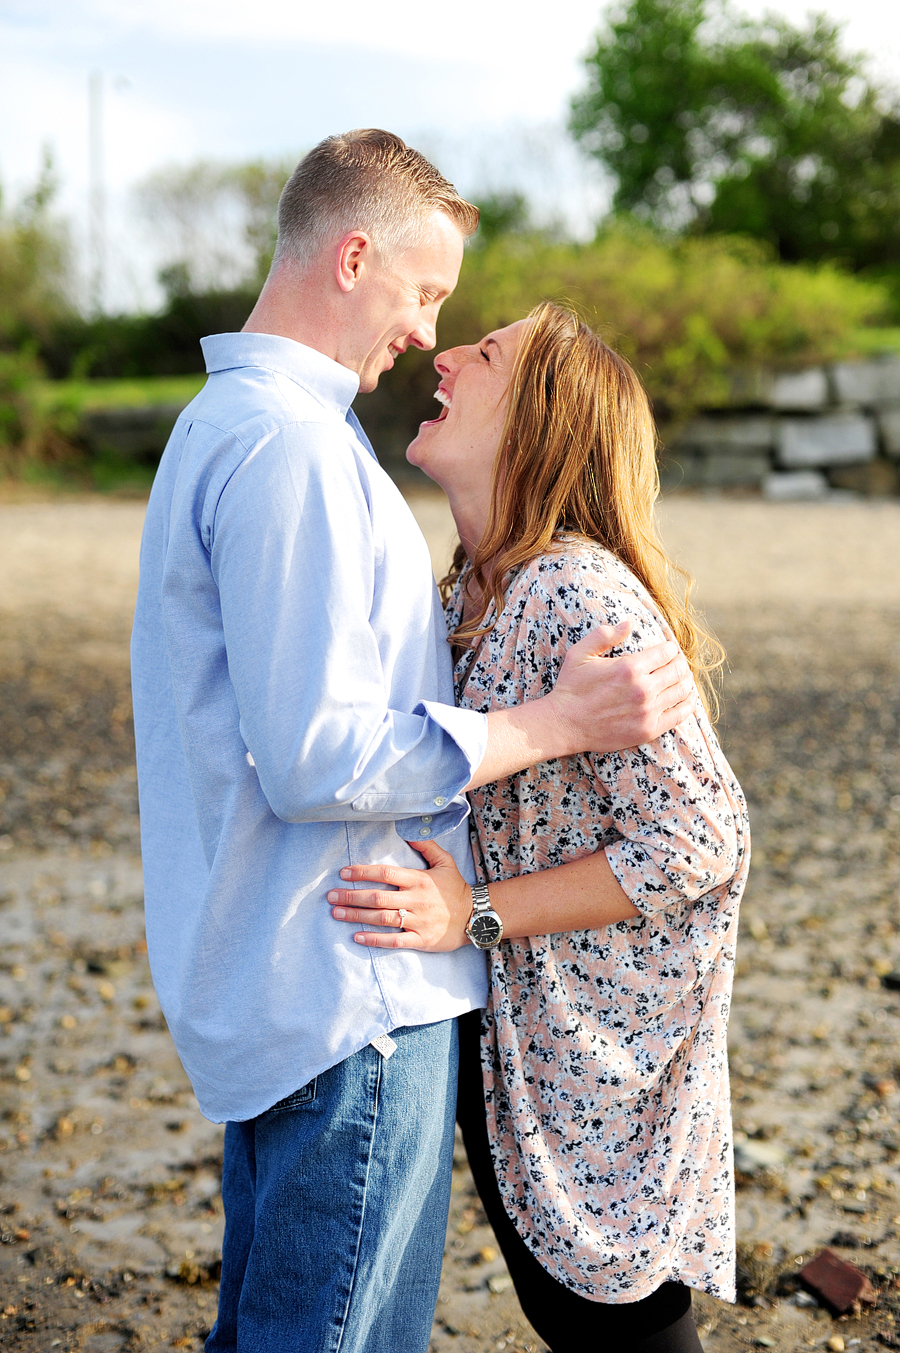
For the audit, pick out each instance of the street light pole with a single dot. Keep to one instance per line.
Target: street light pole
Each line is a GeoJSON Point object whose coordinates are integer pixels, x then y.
{"type": "Point", "coordinates": [96, 194]}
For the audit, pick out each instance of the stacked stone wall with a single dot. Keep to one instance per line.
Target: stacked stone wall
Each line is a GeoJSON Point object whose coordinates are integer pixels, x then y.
{"type": "Point", "coordinates": [801, 434]}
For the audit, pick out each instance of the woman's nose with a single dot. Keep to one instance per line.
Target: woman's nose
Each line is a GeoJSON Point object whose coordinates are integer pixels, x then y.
{"type": "Point", "coordinates": [453, 358]}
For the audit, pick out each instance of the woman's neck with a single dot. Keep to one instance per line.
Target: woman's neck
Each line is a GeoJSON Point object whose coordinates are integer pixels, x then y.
{"type": "Point", "coordinates": [470, 515]}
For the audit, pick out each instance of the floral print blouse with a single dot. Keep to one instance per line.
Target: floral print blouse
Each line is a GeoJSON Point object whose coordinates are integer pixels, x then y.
{"type": "Point", "coordinates": [604, 1051]}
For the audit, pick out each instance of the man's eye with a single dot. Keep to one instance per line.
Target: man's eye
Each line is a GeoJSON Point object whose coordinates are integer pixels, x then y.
{"type": "Point", "coordinates": [484, 354]}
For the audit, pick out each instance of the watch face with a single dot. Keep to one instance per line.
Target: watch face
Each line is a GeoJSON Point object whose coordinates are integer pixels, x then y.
{"type": "Point", "coordinates": [485, 930]}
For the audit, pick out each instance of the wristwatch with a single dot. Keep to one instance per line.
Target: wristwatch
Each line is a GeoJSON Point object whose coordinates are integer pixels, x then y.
{"type": "Point", "coordinates": [484, 927]}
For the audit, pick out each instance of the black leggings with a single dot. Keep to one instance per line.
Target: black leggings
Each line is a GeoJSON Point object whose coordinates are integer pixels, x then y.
{"type": "Point", "coordinates": [661, 1323]}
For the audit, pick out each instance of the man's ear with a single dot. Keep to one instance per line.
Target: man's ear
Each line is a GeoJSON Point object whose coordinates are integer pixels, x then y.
{"type": "Point", "coordinates": [351, 259]}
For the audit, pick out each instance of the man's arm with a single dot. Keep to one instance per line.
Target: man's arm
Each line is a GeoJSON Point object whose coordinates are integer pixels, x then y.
{"type": "Point", "coordinates": [598, 704]}
{"type": "Point", "coordinates": [294, 564]}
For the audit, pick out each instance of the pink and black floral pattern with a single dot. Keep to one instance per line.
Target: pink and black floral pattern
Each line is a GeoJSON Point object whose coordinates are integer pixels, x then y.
{"type": "Point", "coordinates": [604, 1051]}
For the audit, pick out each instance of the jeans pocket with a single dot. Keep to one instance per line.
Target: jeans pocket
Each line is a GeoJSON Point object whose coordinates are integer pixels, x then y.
{"type": "Point", "coordinates": [297, 1099]}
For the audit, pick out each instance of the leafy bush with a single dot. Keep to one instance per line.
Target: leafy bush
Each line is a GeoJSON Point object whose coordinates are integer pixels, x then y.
{"type": "Point", "coordinates": [36, 428]}
{"type": "Point", "coordinates": [167, 344]}
{"type": "Point", "coordinates": [687, 313]}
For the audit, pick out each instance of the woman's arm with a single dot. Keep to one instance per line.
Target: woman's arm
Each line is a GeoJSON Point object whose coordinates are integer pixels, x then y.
{"type": "Point", "coordinates": [583, 895]}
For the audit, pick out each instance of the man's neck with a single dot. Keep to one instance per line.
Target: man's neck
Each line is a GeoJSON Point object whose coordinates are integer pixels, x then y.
{"type": "Point", "coordinates": [290, 306]}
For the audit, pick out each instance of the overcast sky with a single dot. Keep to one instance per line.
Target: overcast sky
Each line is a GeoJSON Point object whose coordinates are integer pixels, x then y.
{"type": "Point", "coordinates": [482, 87]}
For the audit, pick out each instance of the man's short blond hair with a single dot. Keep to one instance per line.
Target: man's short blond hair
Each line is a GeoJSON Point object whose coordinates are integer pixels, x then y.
{"type": "Point", "coordinates": [364, 180]}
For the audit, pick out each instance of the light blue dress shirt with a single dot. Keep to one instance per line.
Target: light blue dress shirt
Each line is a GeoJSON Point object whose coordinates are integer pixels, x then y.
{"type": "Point", "coordinates": [294, 714]}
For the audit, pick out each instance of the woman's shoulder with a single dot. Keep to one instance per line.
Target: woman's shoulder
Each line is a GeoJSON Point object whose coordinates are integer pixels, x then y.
{"type": "Point", "coordinates": [579, 576]}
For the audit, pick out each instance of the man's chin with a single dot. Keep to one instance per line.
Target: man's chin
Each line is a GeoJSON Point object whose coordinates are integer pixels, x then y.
{"type": "Point", "coordinates": [370, 375]}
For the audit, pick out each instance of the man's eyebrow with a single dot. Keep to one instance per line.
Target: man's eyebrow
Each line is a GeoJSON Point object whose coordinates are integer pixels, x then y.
{"type": "Point", "coordinates": [488, 341]}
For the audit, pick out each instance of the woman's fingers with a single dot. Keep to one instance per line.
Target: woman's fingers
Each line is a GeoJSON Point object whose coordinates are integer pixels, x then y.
{"type": "Point", "coordinates": [398, 939]}
{"type": "Point", "coordinates": [356, 916]}
{"type": "Point", "coordinates": [433, 853]}
{"type": "Point", "coordinates": [390, 874]}
{"type": "Point", "coordinates": [362, 897]}
{"type": "Point", "coordinates": [435, 903]}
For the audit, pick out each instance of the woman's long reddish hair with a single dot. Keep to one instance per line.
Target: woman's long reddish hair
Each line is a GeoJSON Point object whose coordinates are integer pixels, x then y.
{"type": "Point", "coordinates": [578, 455]}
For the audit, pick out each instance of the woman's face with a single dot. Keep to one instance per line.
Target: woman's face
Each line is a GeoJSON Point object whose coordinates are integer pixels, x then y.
{"type": "Point", "coordinates": [457, 449]}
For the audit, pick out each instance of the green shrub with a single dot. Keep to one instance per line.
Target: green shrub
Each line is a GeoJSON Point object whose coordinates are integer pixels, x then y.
{"type": "Point", "coordinates": [688, 313]}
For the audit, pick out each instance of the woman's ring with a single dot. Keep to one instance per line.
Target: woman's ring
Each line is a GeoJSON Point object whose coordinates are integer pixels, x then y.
{"type": "Point", "coordinates": [402, 914]}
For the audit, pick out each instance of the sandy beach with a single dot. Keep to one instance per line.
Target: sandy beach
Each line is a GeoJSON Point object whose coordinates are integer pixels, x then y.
{"type": "Point", "coordinates": [110, 1216]}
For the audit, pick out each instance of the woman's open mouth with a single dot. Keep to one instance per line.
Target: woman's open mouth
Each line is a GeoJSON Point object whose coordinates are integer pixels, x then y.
{"type": "Point", "coordinates": [443, 398]}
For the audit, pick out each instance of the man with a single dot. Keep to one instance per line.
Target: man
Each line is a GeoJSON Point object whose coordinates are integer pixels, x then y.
{"type": "Point", "coordinates": [293, 715]}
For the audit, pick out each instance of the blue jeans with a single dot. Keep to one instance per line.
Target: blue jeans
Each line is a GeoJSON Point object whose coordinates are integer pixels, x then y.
{"type": "Point", "coordinates": [336, 1205]}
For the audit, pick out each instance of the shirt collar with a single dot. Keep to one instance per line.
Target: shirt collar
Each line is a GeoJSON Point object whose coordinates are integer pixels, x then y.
{"type": "Point", "coordinates": [332, 384]}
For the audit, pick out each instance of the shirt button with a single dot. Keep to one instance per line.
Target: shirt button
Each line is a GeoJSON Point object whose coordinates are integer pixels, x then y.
{"type": "Point", "coordinates": [424, 831]}
{"type": "Point", "coordinates": [426, 817]}
{"type": "Point", "coordinates": [439, 801]}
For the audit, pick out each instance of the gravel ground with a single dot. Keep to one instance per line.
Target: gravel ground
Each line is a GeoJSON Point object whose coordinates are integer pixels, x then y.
{"type": "Point", "coordinates": [110, 1217]}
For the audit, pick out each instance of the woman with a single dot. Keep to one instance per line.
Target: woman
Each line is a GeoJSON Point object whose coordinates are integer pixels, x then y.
{"type": "Point", "coordinates": [601, 1143]}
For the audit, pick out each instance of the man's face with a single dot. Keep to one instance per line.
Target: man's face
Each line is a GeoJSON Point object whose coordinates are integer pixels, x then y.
{"type": "Point", "coordinates": [399, 300]}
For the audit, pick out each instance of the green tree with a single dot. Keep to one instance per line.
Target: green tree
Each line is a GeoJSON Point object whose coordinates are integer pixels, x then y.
{"type": "Point", "coordinates": [721, 124]}
{"type": "Point", "coordinates": [216, 222]}
{"type": "Point", "coordinates": [35, 296]}
{"type": "Point", "coordinates": [501, 214]}
{"type": "Point", "coordinates": [35, 264]}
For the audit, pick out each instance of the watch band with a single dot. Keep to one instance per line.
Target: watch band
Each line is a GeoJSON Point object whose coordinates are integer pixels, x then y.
{"type": "Point", "coordinates": [481, 898]}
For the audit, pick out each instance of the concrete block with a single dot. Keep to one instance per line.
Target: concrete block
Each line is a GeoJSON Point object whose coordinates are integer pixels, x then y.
{"type": "Point", "coordinates": [832, 439]}
{"type": "Point", "coordinates": [800, 390]}
{"type": "Point", "coordinates": [751, 389]}
{"type": "Point", "coordinates": [870, 383]}
{"type": "Point", "coordinates": [729, 436]}
{"type": "Point", "coordinates": [794, 486]}
{"type": "Point", "coordinates": [735, 471]}
{"type": "Point", "coordinates": [875, 478]}
{"type": "Point", "coordinates": [889, 427]}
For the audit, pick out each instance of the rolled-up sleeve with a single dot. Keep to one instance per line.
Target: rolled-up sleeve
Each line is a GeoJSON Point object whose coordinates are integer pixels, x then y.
{"type": "Point", "coordinates": [298, 573]}
{"type": "Point", "coordinates": [681, 828]}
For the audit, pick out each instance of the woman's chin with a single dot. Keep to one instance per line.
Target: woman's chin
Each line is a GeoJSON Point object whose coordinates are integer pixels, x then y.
{"type": "Point", "coordinates": [415, 455]}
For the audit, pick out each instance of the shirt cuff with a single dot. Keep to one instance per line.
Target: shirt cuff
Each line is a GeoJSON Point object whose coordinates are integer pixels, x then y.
{"type": "Point", "coordinates": [467, 728]}
{"type": "Point", "coordinates": [459, 741]}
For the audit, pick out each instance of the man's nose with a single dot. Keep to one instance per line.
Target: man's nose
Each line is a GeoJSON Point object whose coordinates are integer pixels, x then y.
{"type": "Point", "coordinates": [424, 335]}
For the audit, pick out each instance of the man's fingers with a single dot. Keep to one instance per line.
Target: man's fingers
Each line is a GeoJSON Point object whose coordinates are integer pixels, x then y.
{"type": "Point", "coordinates": [601, 639]}
{"type": "Point", "coordinates": [673, 715]}
{"type": "Point", "coordinates": [655, 659]}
